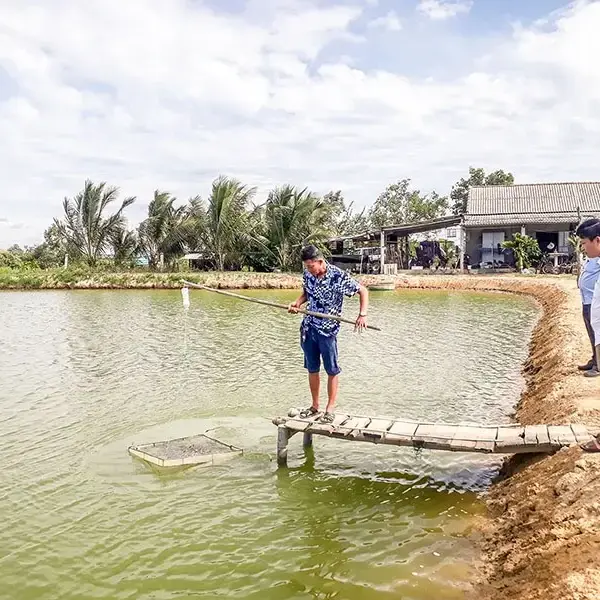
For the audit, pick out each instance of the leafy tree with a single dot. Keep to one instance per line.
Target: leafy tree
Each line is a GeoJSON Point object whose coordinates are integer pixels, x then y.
{"type": "Point", "coordinates": [334, 206]}
{"type": "Point", "coordinates": [161, 235]}
{"type": "Point", "coordinates": [399, 204]}
{"type": "Point", "coordinates": [10, 259]}
{"type": "Point", "coordinates": [224, 230]}
{"type": "Point", "coordinates": [292, 219]}
{"type": "Point", "coordinates": [125, 246]}
{"type": "Point", "coordinates": [350, 222]}
{"type": "Point", "coordinates": [86, 229]}
{"type": "Point", "coordinates": [341, 219]}
{"type": "Point", "coordinates": [525, 249]}
{"type": "Point", "coordinates": [460, 190]}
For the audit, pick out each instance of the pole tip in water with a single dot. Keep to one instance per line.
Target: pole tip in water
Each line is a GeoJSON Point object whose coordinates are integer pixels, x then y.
{"type": "Point", "coordinates": [185, 292]}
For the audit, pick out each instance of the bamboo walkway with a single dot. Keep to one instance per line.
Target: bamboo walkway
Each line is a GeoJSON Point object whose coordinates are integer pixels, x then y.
{"type": "Point", "coordinates": [499, 439]}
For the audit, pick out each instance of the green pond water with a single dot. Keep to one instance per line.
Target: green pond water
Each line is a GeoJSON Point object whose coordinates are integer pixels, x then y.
{"type": "Point", "coordinates": [85, 374]}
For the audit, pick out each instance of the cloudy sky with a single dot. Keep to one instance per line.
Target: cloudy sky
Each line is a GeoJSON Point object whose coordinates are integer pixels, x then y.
{"type": "Point", "coordinates": [332, 94]}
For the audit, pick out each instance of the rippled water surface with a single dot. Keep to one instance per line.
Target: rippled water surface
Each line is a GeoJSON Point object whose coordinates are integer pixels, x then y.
{"type": "Point", "coordinates": [85, 374]}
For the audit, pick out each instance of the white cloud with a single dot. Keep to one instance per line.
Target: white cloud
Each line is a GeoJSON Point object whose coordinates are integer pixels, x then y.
{"type": "Point", "coordinates": [148, 94]}
{"type": "Point", "coordinates": [389, 22]}
{"type": "Point", "coordinates": [439, 10]}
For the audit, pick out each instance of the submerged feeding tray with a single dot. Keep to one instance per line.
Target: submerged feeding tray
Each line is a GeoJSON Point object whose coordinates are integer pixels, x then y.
{"type": "Point", "coordinates": [193, 450]}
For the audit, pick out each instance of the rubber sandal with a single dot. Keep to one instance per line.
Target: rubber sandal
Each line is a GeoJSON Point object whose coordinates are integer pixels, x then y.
{"type": "Point", "coordinates": [327, 418]}
{"type": "Point", "coordinates": [591, 446]}
{"type": "Point", "coordinates": [311, 411]}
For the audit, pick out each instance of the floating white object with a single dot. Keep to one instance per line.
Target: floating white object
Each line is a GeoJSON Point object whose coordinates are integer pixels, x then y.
{"type": "Point", "coordinates": [185, 292]}
{"type": "Point", "coordinates": [187, 451]}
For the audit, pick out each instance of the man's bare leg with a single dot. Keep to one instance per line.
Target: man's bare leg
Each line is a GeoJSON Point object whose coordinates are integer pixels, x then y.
{"type": "Point", "coordinates": [332, 390]}
{"type": "Point", "coordinates": [314, 382]}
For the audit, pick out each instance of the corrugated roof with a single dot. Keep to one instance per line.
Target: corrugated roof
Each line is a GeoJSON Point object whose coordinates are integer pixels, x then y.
{"type": "Point", "coordinates": [404, 229]}
{"type": "Point", "coordinates": [419, 226]}
{"type": "Point", "coordinates": [533, 198]}
{"type": "Point", "coordinates": [524, 218]}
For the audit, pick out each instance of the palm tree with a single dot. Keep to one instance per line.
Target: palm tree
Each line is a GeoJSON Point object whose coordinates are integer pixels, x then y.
{"type": "Point", "coordinates": [293, 218]}
{"type": "Point", "coordinates": [125, 246]}
{"type": "Point", "coordinates": [161, 234]}
{"type": "Point", "coordinates": [85, 229]}
{"type": "Point", "coordinates": [224, 230]}
{"type": "Point", "coordinates": [525, 249]}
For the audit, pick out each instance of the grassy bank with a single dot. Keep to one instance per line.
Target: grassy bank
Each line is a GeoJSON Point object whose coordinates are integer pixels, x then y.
{"type": "Point", "coordinates": [82, 278]}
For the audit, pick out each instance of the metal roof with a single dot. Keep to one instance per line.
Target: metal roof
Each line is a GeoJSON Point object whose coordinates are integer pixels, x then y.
{"type": "Point", "coordinates": [419, 226]}
{"type": "Point", "coordinates": [404, 229]}
{"type": "Point", "coordinates": [525, 218]}
{"type": "Point", "coordinates": [534, 198]}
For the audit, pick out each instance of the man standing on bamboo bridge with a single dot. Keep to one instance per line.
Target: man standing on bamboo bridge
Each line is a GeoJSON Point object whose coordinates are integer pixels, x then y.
{"type": "Point", "coordinates": [324, 288]}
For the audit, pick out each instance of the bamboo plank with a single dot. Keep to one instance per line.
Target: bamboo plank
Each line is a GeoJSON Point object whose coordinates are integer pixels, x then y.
{"type": "Point", "coordinates": [297, 424]}
{"type": "Point", "coordinates": [561, 435]}
{"type": "Point", "coordinates": [510, 441]}
{"type": "Point", "coordinates": [542, 435]}
{"type": "Point", "coordinates": [348, 425]}
{"type": "Point", "coordinates": [376, 430]}
{"type": "Point", "coordinates": [486, 439]}
{"type": "Point", "coordinates": [581, 433]}
{"type": "Point", "coordinates": [401, 433]}
{"type": "Point", "coordinates": [473, 439]}
{"type": "Point", "coordinates": [357, 431]}
{"type": "Point", "coordinates": [378, 424]}
{"type": "Point", "coordinates": [463, 439]}
{"type": "Point", "coordinates": [434, 436]}
{"type": "Point", "coordinates": [537, 439]}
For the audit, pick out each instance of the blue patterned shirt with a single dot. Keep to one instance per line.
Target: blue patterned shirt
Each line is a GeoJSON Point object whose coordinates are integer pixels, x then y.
{"type": "Point", "coordinates": [326, 295]}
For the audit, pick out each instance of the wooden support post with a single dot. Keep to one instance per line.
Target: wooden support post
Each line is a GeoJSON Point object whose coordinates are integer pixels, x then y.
{"type": "Point", "coordinates": [307, 440]}
{"type": "Point", "coordinates": [462, 244]}
{"type": "Point", "coordinates": [283, 436]}
{"type": "Point", "coordinates": [382, 252]}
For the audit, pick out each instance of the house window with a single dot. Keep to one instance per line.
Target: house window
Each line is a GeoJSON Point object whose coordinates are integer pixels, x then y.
{"type": "Point", "coordinates": [452, 233]}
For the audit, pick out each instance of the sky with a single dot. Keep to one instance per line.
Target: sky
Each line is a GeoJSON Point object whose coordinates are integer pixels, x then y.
{"type": "Point", "coordinates": [329, 94]}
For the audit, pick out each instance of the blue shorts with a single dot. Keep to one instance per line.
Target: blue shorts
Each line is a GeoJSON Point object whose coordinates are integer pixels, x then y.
{"type": "Point", "coordinates": [317, 347]}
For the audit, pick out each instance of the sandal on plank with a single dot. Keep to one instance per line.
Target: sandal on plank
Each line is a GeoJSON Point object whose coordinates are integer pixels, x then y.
{"type": "Point", "coordinates": [306, 413]}
{"type": "Point", "coordinates": [327, 418]}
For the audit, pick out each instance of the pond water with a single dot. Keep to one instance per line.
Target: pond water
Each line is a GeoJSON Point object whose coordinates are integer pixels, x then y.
{"type": "Point", "coordinates": [85, 374]}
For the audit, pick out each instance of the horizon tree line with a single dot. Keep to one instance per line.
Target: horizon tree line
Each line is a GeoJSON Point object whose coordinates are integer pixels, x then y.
{"type": "Point", "coordinates": [229, 227]}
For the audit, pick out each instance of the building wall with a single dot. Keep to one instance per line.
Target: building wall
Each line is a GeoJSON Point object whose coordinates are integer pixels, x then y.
{"type": "Point", "coordinates": [475, 236]}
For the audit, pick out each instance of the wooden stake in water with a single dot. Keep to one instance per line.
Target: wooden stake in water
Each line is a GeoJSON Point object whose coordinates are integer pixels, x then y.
{"type": "Point", "coordinates": [274, 304]}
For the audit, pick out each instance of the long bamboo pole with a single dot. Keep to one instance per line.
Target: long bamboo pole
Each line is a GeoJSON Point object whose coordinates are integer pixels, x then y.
{"type": "Point", "coordinates": [273, 304]}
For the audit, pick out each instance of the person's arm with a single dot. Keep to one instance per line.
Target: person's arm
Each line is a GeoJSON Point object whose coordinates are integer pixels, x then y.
{"type": "Point", "coordinates": [361, 321]}
{"type": "Point", "coordinates": [349, 287]}
{"type": "Point", "coordinates": [294, 306]}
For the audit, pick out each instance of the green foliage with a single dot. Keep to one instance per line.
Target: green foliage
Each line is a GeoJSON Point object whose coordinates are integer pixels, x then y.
{"type": "Point", "coordinates": [525, 249]}
{"type": "Point", "coordinates": [460, 191]}
{"type": "Point", "coordinates": [161, 235]}
{"type": "Point", "coordinates": [293, 218]}
{"type": "Point", "coordinates": [86, 230]}
{"type": "Point", "coordinates": [224, 230]}
{"type": "Point", "coordinates": [399, 204]}
{"type": "Point", "coordinates": [227, 229]}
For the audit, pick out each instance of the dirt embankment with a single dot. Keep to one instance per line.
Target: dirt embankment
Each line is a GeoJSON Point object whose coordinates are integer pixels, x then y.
{"type": "Point", "coordinates": [542, 540]}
